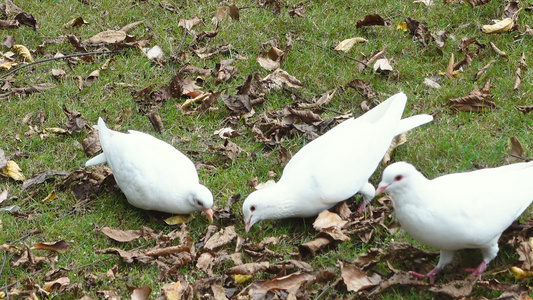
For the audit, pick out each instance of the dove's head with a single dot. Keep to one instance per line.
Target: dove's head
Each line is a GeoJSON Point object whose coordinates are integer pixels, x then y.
{"type": "Point", "coordinates": [263, 204]}
{"type": "Point", "coordinates": [397, 177]}
{"type": "Point", "coordinates": [202, 199]}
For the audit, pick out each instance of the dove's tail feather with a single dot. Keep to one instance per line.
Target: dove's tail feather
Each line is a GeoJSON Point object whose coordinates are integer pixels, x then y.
{"type": "Point", "coordinates": [104, 134]}
{"type": "Point", "coordinates": [99, 159]}
{"type": "Point", "coordinates": [390, 109]}
{"type": "Point", "coordinates": [412, 122]}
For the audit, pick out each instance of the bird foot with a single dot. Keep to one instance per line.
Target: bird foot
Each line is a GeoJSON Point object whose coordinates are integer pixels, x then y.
{"type": "Point", "coordinates": [477, 271]}
{"type": "Point", "coordinates": [432, 275]}
{"type": "Point", "coordinates": [361, 208]}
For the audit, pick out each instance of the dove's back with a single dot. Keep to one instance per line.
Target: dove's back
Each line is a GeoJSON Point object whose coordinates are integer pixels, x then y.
{"type": "Point", "coordinates": [151, 173]}
{"type": "Point", "coordinates": [337, 164]}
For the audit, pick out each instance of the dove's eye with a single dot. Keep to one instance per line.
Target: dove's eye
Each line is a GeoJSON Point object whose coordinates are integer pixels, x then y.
{"type": "Point", "coordinates": [252, 208]}
{"type": "Point", "coordinates": [398, 178]}
{"type": "Point", "coordinates": [199, 202]}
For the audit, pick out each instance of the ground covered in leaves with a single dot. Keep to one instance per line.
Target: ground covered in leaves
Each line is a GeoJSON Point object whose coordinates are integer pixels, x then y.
{"type": "Point", "coordinates": [239, 87]}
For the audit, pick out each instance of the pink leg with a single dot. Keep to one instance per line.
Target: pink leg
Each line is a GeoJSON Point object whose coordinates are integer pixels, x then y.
{"type": "Point", "coordinates": [361, 208]}
{"type": "Point", "coordinates": [432, 275]}
{"type": "Point", "coordinates": [477, 271]}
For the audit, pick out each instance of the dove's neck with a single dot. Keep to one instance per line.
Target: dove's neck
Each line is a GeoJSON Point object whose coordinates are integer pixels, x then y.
{"type": "Point", "coordinates": [281, 202]}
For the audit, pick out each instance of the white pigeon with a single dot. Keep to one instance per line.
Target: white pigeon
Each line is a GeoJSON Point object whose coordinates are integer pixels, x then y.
{"type": "Point", "coordinates": [151, 173]}
{"type": "Point", "coordinates": [334, 166]}
{"type": "Point", "coordinates": [458, 211]}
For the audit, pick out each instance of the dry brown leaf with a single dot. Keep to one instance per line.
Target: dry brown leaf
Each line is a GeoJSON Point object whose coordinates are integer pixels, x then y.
{"type": "Point", "coordinates": [27, 19]}
{"type": "Point", "coordinates": [456, 289]}
{"type": "Point", "coordinates": [156, 120]}
{"type": "Point", "coordinates": [60, 246]}
{"type": "Point", "coordinates": [516, 150]}
{"type": "Point", "coordinates": [521, 65]}
{"type": "Point", "coordinates": [476, 101]}
{"type": "Point", "coordinates": [221, 238]}
{"type": "Point", "coordinates": [312, 247]}
{"type": "Point", "coordinates": [120, 235]}
{"type": "Point", "coordinates": [497, 50]}
{"type": "Point", "coordinates": [525, 252]}
{"type": "Point", "coordinates": [419, 30]}
{"type": "Point", "coordinates": [190, 23]}
{"type": "Point", "coordinates": [58, 285]}
{"type": "Point", "coordinates": [107, 37]}
{"type": "Point", "coordinates": [76, 122]}
{"type": "Point", "coordinates": [141, 293]}
{"type": "Point", "coordinates": [327, 219]}
{"type": "Point", "coordinates": [131, 26]}
{"type": "Point", "coordinates": [249, 268]}
{"type": "Point", "coordinates": [177, 291]}
{"type": "Point", "coordinates": [525, 109]}
{"type": "Point", "coordinates": [483, 70]}
{"type": "Point", "coordinates": [287, 283]}
{"type": "Point", "coordinates": [76, 22]}
{"type": "Point", "coordinates": [370, 20]}
{"type": "Point", "coordinates": [365, 89]}
{"type": "Point", "coordinates": [475, 3]}
{"type": "Point", "coordinates": [3, 160]}
{"type": "Point", "coordinates": [280, 78]}
{"type": "Point", "coordinates": [347, 44]}
{"type": "Point", "coordinates": [3, 196]}
{"type": "Point", "coordinates": [91, 144]}
{"type": "Point", "coordinates": [396, 141]}
{"type": "Point", "coordinates": [357, 280]}
{"type": "Point", "coordinates": [323, 99]}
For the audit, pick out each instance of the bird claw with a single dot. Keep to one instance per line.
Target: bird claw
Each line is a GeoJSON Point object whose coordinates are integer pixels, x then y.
{"type": "Point", "coordinates": [432, 275]}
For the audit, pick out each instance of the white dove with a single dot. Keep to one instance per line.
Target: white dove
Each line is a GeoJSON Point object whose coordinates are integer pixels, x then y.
{"type": "Point", "coordinates": [334, 166]}
{"type": "Point", "coordinates": [458, 211]}
{"type": "Point", "coordinates": [151, 173]}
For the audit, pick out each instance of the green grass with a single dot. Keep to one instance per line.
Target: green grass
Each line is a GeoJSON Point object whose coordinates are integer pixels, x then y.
{"type": "Point", "coordinates": [455, 141]}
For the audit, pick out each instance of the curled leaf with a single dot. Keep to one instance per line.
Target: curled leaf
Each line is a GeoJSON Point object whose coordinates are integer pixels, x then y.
{"type": "Point", "coordinates": [504, 25]}
{"type": "Point", "coordinates": [24, 52]}
{"type": "Point", "coordinates": [13, 171]}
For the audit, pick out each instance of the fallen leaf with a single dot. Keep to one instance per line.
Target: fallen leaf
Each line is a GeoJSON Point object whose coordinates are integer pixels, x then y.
{"type": "Point", "coordinates": [120, 235]}
{"type": "Point", "coordinates": [516, 150]}
{"type": "Point", "coordinates": [179, 219]}
{"type": "Point", "coordinates": [475, 3]}
{"type": "Point", "coordinates": [504, 25]}
{"type": "Point", "coordinates": [27, 19]}
{"type": "Point", "coordinates": [280, 78]}
{"type": "Point", "coordinates": [456, 289]}
{"type": "Point", "coordinates": [431, 83]}
{"type": "Point", "coordinates": [59, 285]}
{"type": "Point", "coordinates": [323, 99]}
{"type": "Point", "coordinates": [249, 268]}
{"type": "Point", "coordinates": [396, 141]}
{"type": "Point", "coordinates": [91, 144]}
{"type": "Point", "coordinates": [476, 101]}
{"type": "Point", "coordinates": [156, 120]}
{"type": "Point", "coordinates": [24, 52]}
{"type": "Point", "coordinates": [50, 197]}
{"type": "Point", "coordinates": [221, 238]}
{"type": "Point", "coordinates": [357, 280]}
{"type": "Point", "coordinates": [520, 273]}
{"type": "Point", "coordinates": [382, 64]}
{"type": "Point", "coordinates": [60, 246]}
{"type": "Point", "coordinates": [75, 122]}
{"type": "Point", "coordinates": [13, 171]}
{"type": "Point", "coordinates": [8, 41]}
{"type": "Point", "coordinates": [370, 20]}
{"type": "Point", "coordinates": [241, 279]}
{"type": "Point", "coordinates": [107, 37]}
{"type": "Point", "coordinates": [76, 22]}
{"type": "Point", "coordinates": [497, 50]}
{"type": "Point", "coordinates": [131, 26]}
{"type": "Point", "coordinates": [141, 293]}
{"type": "Point", "coordinates": [419, 30]}
{"type": "Point", "coordinates": [190, 23]}
{"type": "Point", "coordinates": [426, 2]}
{"type": "Point", "coordinates": [347, 44]}
{"type": "Point", "coordinates": [58, 73]}
{"type": "Point", "coordinates": [327, 219]}
{"type": "Point", "coordinates": [3, 196]}
{"type": "Point", "coordinates": [525, 252]}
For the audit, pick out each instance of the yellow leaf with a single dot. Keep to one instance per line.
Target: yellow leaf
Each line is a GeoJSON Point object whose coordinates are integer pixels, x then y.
{"type": "Point", "coordinates": [8, 64]}
{"type": "Point", "coordinates": [498, 27]}
{"type": "Point", "coordinates": [402, 26]}
{"type": "Point", "coordinates": [24, 52]}
{"type": "Point", "coordinates": [13, 170]}
{"type": "Point", "coordinates": [179, 219]}
{"type": "Point", "coordinates": [50, 197]}
{"type": "Point", "coordinates": [520, 273]}
{"type": "Point", "coordinates": [240, 279]}
{"type": "Point", "coordinates": [347, 44]}
{"type": "Point", "coordinates": [55, 130]}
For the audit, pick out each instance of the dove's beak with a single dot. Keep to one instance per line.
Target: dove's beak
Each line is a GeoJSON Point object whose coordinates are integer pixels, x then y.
{"type": "Point", "coordinates": [381, 189]}
{"type": "Point", "coordinates": [248, 224]}
{"type": "Point", "coordinates": [209, 213]}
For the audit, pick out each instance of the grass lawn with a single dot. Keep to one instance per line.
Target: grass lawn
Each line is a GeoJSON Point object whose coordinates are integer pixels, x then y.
{"type": "Point", "coordinates": [307, 32]}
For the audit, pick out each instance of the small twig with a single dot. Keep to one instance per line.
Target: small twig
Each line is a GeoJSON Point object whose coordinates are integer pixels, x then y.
{"type": "Point", "coordinates": [182, 39]}
{"type": "Point", "coordinates": [336, 52]}
{"type": "Point", "coordinates": [525, 159]}
{"type": "Point", "coordinates": [54, 58]}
